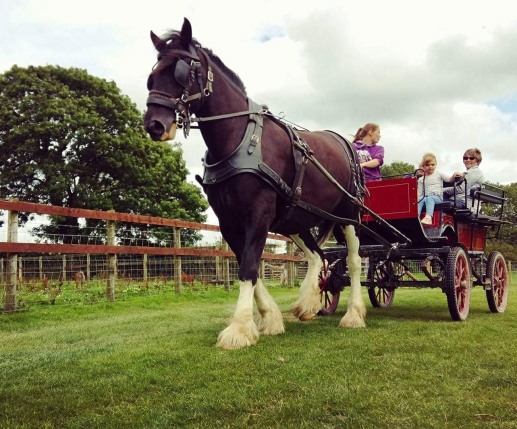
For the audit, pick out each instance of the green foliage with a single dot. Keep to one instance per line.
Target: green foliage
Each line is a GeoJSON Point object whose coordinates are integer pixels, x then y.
{"type": "Point", "coordinates": [71, 139]}
{"type": "Point", "coordinates": [397, 168]}
{"type": "Point", "coordinates": [505, 242]}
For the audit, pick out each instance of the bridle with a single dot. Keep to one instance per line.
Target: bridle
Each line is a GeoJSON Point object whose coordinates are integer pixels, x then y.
{"type": "Point", "coordinates": [185, 74]}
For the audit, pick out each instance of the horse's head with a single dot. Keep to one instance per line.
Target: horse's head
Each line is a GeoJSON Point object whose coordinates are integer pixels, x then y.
{"type": "Point", "coordinates": [176, 84]}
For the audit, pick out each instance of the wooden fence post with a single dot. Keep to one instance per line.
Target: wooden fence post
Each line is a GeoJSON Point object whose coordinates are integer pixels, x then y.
{"type": "Point", "coordinates": [12, 263]}
{"type": "Point", "coordinates": [144, 268]}
{"type": "Point", "coordinates": [88, 267]}
{"type": "Point", "coordinates": [218, 267]}
{"type": "Point", "coordinates": [226, 270]}
{"type": "Point", "coordinates": [63, 269]}
{"type": "Point", "coordinates": [289, 246]}
{"type": "Point", "coordinates": [111, 260]}
{"type": "Point", "coordinates": [177, 260]}
{"type": "Point", "coordinates": [20, 269]}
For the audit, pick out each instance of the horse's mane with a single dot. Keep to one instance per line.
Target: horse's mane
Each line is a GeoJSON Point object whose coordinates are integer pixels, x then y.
{"type": "Point", "coordinates": [173, 35]}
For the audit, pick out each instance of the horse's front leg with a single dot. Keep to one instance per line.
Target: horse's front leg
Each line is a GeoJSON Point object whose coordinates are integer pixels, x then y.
{"type": "Point", "coordinates": [242, 330]}
{"type": "Point", "coordinates": [356, 312]}
{"type": "Point", "coordinates": [248, 244]}
{"type": "Point", "coordinates": [269, 318]}
{"type": "Point", "coordinates": [309, 302]}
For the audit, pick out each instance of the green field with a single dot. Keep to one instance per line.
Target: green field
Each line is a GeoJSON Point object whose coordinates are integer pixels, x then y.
{"type": "Point", "coordinates": [151, 362]}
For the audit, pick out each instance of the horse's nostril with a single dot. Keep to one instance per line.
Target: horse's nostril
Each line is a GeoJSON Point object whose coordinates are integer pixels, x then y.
{"type": "Point", "coordinates": [156, 128]}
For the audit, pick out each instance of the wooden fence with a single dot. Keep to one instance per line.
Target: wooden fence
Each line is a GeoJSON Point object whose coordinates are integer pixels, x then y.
{"type": "Point", "coordinates": [14, 251]}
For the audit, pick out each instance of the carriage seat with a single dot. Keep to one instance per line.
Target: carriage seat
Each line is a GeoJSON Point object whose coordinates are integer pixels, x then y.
{"type": "Point", "coordinates": [453, 207]}
{"type": "Point", "coordinates": [458, 205]}
{"type": "Point", "coordinates": [493, 196]}
{"type": "Point", "coordinates": [483, 194]}
{"type": "Point", "coordinates": [479, 194]}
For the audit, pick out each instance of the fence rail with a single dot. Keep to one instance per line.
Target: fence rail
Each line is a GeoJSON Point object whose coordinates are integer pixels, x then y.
{"type": "Point", "coordinates": [62, 261]}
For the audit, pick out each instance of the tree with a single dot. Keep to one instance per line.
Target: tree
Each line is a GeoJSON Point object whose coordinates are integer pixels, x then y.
{"type": "Point", "coordinates": [397, 168]}
{"type": "Point", "coordinates": [71, 139]}
{"type": "Point", "coordinates": [508, 233]}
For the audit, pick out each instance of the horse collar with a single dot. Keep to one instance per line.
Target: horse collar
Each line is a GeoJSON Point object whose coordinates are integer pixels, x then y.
{"type": "Point", "coordinates": [245, 158]}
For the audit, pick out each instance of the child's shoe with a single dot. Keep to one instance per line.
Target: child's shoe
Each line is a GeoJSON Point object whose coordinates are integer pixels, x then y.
{"type": "Point", "coordinates": [427, 220]}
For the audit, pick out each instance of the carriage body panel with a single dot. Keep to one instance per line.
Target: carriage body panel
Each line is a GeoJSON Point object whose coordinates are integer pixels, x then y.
{"type": "Point", "coordinates": [392, 199]}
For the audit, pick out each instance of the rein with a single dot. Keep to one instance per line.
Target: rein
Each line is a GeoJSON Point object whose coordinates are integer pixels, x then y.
{"type": "Point", "coordinates": [302, 146]}
{"type": "Point", "coordinates": [260, 112]}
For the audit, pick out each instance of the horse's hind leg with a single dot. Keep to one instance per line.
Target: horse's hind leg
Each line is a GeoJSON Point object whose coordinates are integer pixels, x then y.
{"type": "Point", "coordinates": [242, 331]}
{"type": "Point", "coordinates": [356, 311]}
{"type": "Point", "coordinates": [309, 302]}
{"type": "Point", "coordinates": [269, 319]}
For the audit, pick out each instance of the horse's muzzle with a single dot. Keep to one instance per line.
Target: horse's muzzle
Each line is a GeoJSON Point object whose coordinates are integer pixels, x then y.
{"type": "Point", "coordinates": [158, 132]}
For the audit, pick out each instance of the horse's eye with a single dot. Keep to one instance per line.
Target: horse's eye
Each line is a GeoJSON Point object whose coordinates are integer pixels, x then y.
{"type": "Point", "coordinates": [182, 73]}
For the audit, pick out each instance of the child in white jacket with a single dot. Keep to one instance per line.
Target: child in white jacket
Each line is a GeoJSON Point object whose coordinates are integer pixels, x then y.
{"type": "Point", "coordinates": [430, 187]}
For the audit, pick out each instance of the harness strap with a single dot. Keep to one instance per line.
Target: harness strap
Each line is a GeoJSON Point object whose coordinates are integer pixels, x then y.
{"type": "Point", "coordinates": [164, 99]}
{"type": "Point", "coordinates": [300, 162]}
{"type": "Point", "coordinates": [228, 115]}
{"type": "Point", "coordinates": [355, 200]}
{"type": "Point", "coordinates": [285, 191]}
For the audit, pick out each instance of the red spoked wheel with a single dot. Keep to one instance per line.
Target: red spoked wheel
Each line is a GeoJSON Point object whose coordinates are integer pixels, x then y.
{"type": "Point", "coordinates": [381, 297]}
{"type": "Point", "coordinates": [329, 298]}
{"type": "Point", "coordinates": [458, 283]}
{"type": "Point", "coordinates": [497, 273]}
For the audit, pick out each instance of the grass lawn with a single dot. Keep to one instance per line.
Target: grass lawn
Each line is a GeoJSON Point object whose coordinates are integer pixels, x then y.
{"type": "Point", "coordinates": [151, 362]}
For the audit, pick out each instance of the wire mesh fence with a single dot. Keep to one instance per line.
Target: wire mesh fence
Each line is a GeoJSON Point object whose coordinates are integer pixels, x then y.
{"type": "Point", "coordinates": [83, 279]}
{"type": "Point", "coordinates": [205, 261]}
{"type": "Point", "coordinates": [94, 254]}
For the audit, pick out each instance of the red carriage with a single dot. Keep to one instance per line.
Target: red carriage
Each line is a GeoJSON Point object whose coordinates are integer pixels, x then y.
{"type": "Point", "coordinates": [449, 254]}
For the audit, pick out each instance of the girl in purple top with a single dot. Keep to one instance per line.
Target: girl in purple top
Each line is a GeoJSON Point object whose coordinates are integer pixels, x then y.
{"type": "Point", "coordinates": [371, 155]}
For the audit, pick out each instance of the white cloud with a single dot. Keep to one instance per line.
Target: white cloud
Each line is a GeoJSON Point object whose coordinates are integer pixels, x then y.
{"type": "Point", "coordinates": [436, 76]}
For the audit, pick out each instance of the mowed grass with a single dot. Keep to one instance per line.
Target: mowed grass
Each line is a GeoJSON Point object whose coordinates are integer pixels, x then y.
{"type": "Point", "coordinates": [152, 363]}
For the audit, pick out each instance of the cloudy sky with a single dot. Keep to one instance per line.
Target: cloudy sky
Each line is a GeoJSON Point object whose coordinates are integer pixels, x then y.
{"type": "Point", "coordinates": [437, 76]}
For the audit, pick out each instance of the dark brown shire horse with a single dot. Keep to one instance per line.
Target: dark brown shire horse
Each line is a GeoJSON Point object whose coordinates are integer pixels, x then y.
{"type": "Point", "coordinates": [261, 175]}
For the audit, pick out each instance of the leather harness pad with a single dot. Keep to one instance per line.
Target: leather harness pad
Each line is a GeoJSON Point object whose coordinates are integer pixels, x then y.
{"type": "Point", "coordinates": [247, 158]}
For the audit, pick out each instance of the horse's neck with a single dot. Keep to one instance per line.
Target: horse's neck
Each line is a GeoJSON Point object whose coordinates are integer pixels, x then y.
{"type": "Point", "coordinates": [222, 136]}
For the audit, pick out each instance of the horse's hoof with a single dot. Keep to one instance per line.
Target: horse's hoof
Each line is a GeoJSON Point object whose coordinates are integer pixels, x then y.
{"type": "Point", "coordinates": [304, 314]}
{"type": "Point", "coordinates": [233, 338]}
{"type": "Point", "coordinates": [271, 325]}
{"type": "Point", "coordinates": [352, 320]}
{"type": "Point", "coordinates": [268, 330]}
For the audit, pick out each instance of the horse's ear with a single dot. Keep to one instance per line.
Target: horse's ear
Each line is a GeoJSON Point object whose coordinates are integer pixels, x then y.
{"type": "Point", "coordinates": [186, 32]}
{"type": "Point", "coordinates": [158, 43]}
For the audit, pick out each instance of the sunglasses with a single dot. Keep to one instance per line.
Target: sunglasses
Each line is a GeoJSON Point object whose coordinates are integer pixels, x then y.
{"type": "Point", "coordinates": [472, 158]}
